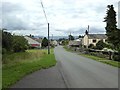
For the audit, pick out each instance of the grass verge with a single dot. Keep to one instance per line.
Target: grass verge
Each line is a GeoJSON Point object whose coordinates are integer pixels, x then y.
{"type": "Point", "coordinates": [20, 64]}
{"type": "Point", "coordinates": [67, 49]}
{"type": "Point", "coordinates": [103, 60]}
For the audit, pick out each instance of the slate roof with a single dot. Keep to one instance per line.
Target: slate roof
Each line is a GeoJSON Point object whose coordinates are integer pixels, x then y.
{"type": "Point", "coordinates": [97, 36]}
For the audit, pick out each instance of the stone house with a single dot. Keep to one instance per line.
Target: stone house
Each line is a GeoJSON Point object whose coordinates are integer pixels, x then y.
{"type": "Point", "coordinates": [93, 39]}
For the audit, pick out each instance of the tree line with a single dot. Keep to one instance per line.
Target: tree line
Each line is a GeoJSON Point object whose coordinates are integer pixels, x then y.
{"type": "Point", "coordinates": [13, 43]}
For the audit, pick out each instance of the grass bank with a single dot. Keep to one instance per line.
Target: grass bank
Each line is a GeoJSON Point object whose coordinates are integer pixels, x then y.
{"type": "Point", "coordinates": [67, 49]}
{"type": "Point", "coordinates": [102, 60]}
{"type": "Point", "coordinates": [17, 65]}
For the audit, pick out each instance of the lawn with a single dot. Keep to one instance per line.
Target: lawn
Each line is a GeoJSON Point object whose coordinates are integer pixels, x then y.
{"type": "Point", "coordinates": [17, 65]}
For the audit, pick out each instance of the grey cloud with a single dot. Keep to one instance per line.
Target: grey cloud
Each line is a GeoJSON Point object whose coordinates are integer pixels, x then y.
{"type": "Point", "coordinates": [8, 7]}
{"type": "Point", "coordinates": [27, 19]}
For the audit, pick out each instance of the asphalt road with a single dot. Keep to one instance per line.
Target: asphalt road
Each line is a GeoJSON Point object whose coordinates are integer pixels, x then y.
{"type": "Point", "coordinates": [81, 72]}
{"type": "Point", "coordinates": [46, 78]}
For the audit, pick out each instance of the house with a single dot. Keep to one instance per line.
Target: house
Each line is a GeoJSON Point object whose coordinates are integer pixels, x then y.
{"type": "Point", "coordinates": [33, 43]}
{"type": "Point", "coordinates": [93, 39]}
{"type": "Point", "coordinates": [53, 42]}
{"type": "Point", "coordinates": [75, 43]}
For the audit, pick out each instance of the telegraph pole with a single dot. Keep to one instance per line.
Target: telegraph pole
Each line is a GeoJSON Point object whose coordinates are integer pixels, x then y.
{"type": "Point", "coordinates": [48, 40]}
{"type": "Point", "coordinates": [48, 27]}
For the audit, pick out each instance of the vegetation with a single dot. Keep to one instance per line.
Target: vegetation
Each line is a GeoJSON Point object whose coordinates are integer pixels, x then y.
{"type": "Point", "coordinates": [66, 48]}
{"type": "Point", "coordinates": [65, 42]}
{"type": "Point", "coordinates": [91, 46]}
{"type": "Point", "coordinates": [100, 45]}
{"type": "Point", "coordinates": [44, 42]}
{"type": "Point", "coordinates": [12, 43]}
{"type": "Point", "coordinates": [80, 36]}
{"type": "Point", "coordinates": [103, 60]}
{"type": "Point", "coordinates": [86, 32]}
{"type": "Point", "coordinates": [18, 65]}
{"type": "Point", "coordinates": [20, 44]}
{"type": "Point", "coordinates": [70, 37]}
{"type": "Point", "coordinates": [111, 29]}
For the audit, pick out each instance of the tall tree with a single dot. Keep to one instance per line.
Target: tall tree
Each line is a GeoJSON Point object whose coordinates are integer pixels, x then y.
{"type": "Point", "coordinates": [111, 27]}
{"type": "Point", "coordinates": [110, 19]}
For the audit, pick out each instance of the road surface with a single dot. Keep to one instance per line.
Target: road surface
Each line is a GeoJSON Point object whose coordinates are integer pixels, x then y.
{"type": "Point", "coordinates": [46, 78]}
{"type": "Point", "coordinates": [81, 72]}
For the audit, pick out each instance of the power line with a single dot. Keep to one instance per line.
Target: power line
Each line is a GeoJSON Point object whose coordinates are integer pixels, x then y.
{"type": "Point", "coordinates": [48, 26]}
{"type": "Point", "coordinates": [44, 11]}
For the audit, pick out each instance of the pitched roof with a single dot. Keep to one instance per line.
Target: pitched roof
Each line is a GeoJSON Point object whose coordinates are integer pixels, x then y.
{"type": "Point", "coordinates": [97, 36]}
{"type": "Point", "coordinates": [31, 41]}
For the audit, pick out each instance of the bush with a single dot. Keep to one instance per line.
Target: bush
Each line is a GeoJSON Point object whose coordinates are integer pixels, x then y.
{"type": "Point", "coordinates": [116, 58]}
{"type": "Point", "coordinates": [20, 44]}
{"type": "Point", "coordinates": [100, 45]}
{"type": "Point", "coordinates": [4, 51]}
{"type": "Point", "coordinates": [44, 42]}
{"type": "Point", "coordinates": [91, 46]}
{"type": "Point", "coordinates": [12, 43]}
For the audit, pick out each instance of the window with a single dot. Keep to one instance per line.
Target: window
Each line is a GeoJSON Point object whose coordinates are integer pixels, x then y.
{"type": "Point", "coordinates": [94, 41]}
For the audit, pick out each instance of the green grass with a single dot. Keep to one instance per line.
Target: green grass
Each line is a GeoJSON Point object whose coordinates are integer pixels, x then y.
{"type": "Point", "coordinates": [18, 65]}
{"type": "Point", "coordinates": [67, 49]}
{"type": "Point", "coordinates": [103, 60]}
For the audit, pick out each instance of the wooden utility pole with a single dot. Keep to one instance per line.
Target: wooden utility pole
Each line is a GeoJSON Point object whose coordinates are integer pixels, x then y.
{"type": "Point", "coordinates": [48, 41]}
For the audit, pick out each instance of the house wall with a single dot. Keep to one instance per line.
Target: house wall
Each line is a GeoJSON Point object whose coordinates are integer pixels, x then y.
{"type": "Point", "coordinates": [86, 42]}
{"type": "Point", "coordinates": [94, 43]}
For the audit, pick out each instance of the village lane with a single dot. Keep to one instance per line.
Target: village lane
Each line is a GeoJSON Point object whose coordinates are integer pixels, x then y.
{"type": "Point", "coordinates": [81, 72]}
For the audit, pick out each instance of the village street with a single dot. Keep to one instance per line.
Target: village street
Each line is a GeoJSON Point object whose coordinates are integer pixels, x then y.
{"type": "Point", "coordinates": [80, 72]}
{"type": "Point", "coordinates": [72, 71]}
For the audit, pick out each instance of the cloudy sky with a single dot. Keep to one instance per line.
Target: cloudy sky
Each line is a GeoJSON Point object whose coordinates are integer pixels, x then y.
{"type": "Point", "coordinates": [26, 16]}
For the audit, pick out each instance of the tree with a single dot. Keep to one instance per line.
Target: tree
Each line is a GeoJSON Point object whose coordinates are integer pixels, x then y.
{"type": "Point", "coordinates": [111, 27]}
{"type": "Point", "coordinates": [20, 44]}
{"type": "Point", "coordinates": [7, 40]}
{"type": "Point", "coordinates": [71, 37]}
{"type": "Point", "coordinates": [80, 36]}
{"type": "Point", "coordinates": [65, 42]}
{"type": "Point", "coordinates": [86, 32]}
{"type": "Point", "coordinates": [12, 43]}
{"type": "Point", "coordinates": [91, 46]}
{"type": "Point", "coordinates": [44, 42]}
{"type": "Point", "coordinates": [100, 45]}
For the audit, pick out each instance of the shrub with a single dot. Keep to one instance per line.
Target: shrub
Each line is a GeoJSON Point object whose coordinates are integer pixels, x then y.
{"type": "Point", "coordinates": [4, 50]}
{"type": "Point", "coordinates": [100, 45]}
{"type": "Point", "coordinates": [91, 46]}
{"type": "Point", "coordinates": [116, 58]}
{"type": "Point", "coordinates": [20, 44]}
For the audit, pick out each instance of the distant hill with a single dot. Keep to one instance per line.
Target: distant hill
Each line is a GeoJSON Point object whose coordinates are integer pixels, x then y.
{"type": "Point", "coordinates": [56, 37]}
